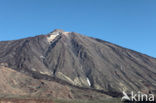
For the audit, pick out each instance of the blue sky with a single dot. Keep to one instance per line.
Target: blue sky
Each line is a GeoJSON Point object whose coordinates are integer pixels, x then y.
{"type": "Point", "coordinates": [128, 23]}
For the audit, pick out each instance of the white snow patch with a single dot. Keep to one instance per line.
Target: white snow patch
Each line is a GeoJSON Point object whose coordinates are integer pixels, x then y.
{"type": "Point", "coordinates": [52, 37]}
{"type": "Point", "coordinates": [88, 82]}
{"type": "Point", "coordinates": [65, 33]}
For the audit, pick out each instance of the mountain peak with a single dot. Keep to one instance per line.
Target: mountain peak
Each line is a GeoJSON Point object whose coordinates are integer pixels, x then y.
{"type": "Point", "coordinates": [57, 30]}
{"type": "Point", "coordinates": [54, 34]}
{"type": "Point", "coordinates": [80, 61]}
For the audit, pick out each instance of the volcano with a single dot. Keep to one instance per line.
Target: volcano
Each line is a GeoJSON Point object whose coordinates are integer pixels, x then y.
{"type": "Point", "coordinates": [72, 66]}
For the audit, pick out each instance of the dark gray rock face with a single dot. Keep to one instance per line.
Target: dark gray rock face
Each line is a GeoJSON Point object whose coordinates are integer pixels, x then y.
{"type": "Point", "coordinates": [81, 61]}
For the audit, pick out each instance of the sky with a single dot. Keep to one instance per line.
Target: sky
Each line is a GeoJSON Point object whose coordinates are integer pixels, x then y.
{"type": "Point", "coordinates": [128, 23]}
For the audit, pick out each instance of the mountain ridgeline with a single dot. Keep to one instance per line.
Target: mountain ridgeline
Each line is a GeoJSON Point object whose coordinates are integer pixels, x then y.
{"type": "Point", "coordinates": [80, 61]}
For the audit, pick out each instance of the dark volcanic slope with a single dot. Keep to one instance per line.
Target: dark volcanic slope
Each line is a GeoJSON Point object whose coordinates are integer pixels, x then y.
{"type": "Point", "coordinates": [81, 61]}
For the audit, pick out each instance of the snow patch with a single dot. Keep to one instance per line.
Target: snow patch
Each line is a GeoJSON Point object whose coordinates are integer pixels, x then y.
{"type": "Point", "coordinates": [51, 37]}
{"type": "Point", "coordinates": [88, 82]}
{"type": "Point", "coordinates": [66, 33]}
